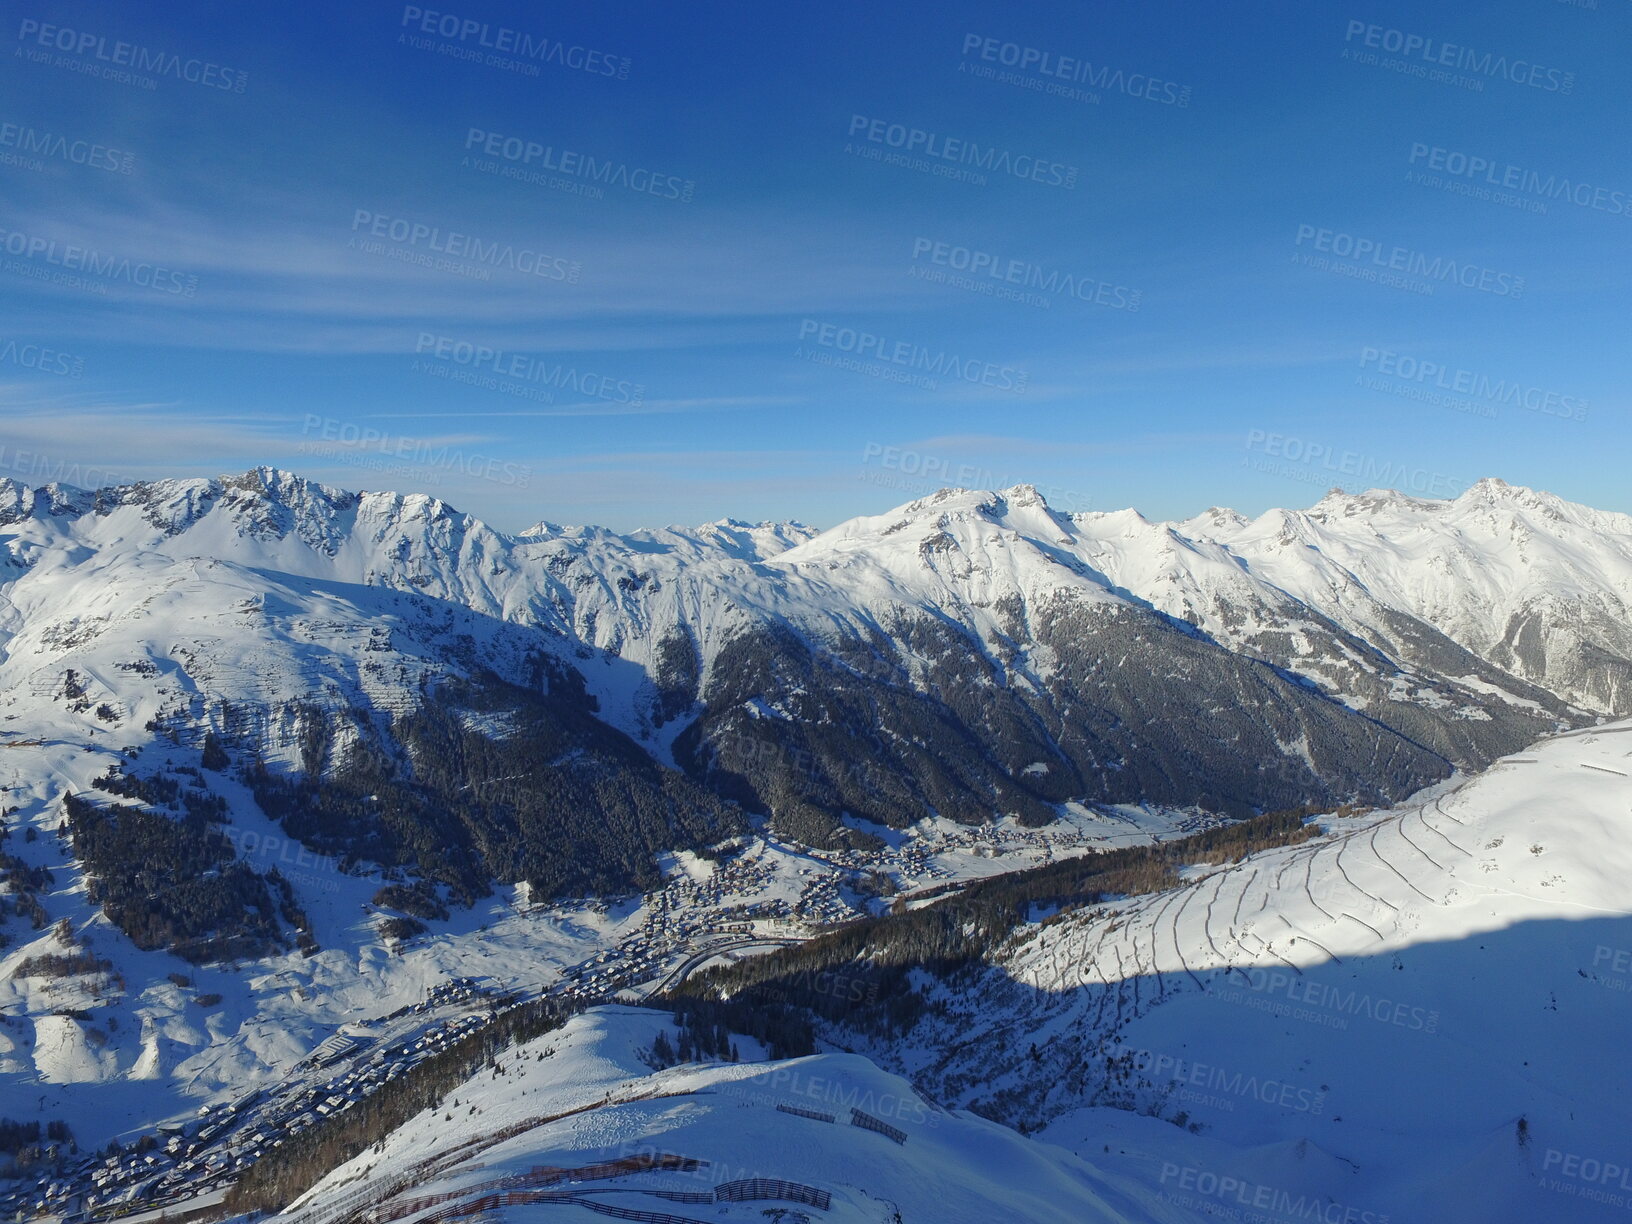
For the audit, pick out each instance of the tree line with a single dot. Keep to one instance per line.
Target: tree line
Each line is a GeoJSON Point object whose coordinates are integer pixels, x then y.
{"type": "Point", "coordinates": [302, 1160]}
{"type": "Point", "coordinates": [792, 987]}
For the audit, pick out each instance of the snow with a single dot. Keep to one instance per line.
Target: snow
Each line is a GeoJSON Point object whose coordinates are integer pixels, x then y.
{"type": "Point", "coordinates": [250, 577]}
{"type": "Point", "coordinates": [951, 1167]}
{"type": "Point", "coordinates": [1429, 975]}
{"type": "Point", "coordinates": [1471, 567]}
{"type": "Point", "coordinates": [269, 588]}
{"type": "Point", "coordinates": [168, 1054]}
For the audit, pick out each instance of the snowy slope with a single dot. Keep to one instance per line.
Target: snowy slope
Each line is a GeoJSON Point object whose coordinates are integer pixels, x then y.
{"type": "Point", "coordinates": [1058, 655]}
{"type": "Point", "coordinates": [1536, 585]}
{"type": "Point", "coordinates": [195, 604]}
{"type": "Point", "coordinates": [189, 605]}
{"type": "Point", "coordinates": [583, 1097]}
{"type": "Point", "coordinates": [1484, 570]}
{"type": "Point", "coordinates": [981, 618]}
{"type": "Point", "coordinates": [1419, 1013]}
{"type": "Point", "coordinates": [1347, 637]}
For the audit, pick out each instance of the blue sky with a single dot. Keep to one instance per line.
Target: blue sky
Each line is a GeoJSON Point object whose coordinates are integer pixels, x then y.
{"type": "Point", "coordinates": [1169, 255]}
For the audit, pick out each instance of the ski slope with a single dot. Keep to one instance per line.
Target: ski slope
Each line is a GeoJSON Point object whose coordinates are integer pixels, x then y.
{"type": "Point", "coordinates": [1421, 1011]}
{"type": "Point", "coordinates": [558, 1111]}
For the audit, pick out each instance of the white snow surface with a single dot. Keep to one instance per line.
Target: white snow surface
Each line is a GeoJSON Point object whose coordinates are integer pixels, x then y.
{"type": "Point", "coordinates": [1420, 1014]}
{"type": "Point", "coordinates": [584, 1095]}
{"type": "Point", "coordinates": [214, 567]}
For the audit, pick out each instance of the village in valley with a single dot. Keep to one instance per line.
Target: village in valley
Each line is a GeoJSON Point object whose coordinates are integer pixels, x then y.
{"type": "Point", "coordinates": [748, 895]}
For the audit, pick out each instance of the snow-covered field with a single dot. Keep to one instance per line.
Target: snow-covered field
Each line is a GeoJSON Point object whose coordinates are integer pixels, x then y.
{"type": "Point", "coordinates": [584, 1096]}
{"type": "Point", "coordinates": [1420, 1014]}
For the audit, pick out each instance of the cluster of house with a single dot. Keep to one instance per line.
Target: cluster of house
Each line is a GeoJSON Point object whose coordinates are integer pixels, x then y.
{"type": "Point", "coordinates": [186, 1159]}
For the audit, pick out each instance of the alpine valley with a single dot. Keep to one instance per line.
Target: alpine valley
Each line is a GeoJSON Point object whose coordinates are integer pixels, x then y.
{"type": "Point", "coordinates": [969, 861]}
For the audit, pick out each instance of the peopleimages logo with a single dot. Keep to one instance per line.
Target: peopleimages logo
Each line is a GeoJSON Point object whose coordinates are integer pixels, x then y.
{"type": "Point", "coordinates": [1311, 461]}
{"type": "Point", "coordinates": [31, 142]}
{"type": "Point", "coordinates": [1591, 1178]}
{"type": "Point", "coordinates": [1588, 1169]}
{"type": "Point", "coordinates": [349, 442]}
{"type": "Point", "coordinates": [40, 359]}
{"type": "Point", "coordinates": [824, 982]}
{"type": "Point", "coordinates": [131, 55]}
{"type": "Point", "coordinates": [291, 854]}
{"type": "Point", "coordinates": [481, 37]}
{"type": "Point", "coordinates": [525, 368]}
{"type": "Point", "coordinates": [1206, 1185]}
{"type": "Point", "coordinates": [527, 155]}
{"type": "Point", "coordinates": [418, 235]}
{"type": "Point", "coordinates": [907, 356]}
{"type": "Point", "coordinates": [1493, 391]}
{"type": "Point", "coordinates": [1434, 52]}
{"type": "Point", "coordinates": [1199, 1077]}
{"type": "Point", "coordinates": [1408, 262]}
{"type": "Point", "coordinates": [1340, 1002]}
{"type": "Point", "coordinates": [1618, 959]}
{"type": "Point", "coordinates": [928, 472]}
{"type": "Point", "coordinates": [78, 259]}
{"type": "Point", "coordinates": [1488, 172]}
{"type": "Point", "coordinates": [34, 466]}
{"type": "Point", "coordinates": [813, 781]}
{"type": "Point", "coordinates": [956, 151]}
{"type": "Point", "coordinates": [1076, 71]}
{"type": "Point", "coordinates": [991, 267]}
{"type": "Point", "coordinates": [852, 1096]}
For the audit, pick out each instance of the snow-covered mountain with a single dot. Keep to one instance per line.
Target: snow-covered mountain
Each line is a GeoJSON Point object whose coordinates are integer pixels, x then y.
{"type": "Point", "coordinates": [442, 725]}
{"type": "Point", "coordinates": [409, 688]}
{"type": "Point", "coordinates": [1415, 1014]}
{"type": "Point", "coordinates": [982, 597]}
{"type": "Point", "coordinates": [580, 1117]}
{"type": "Point", "coordinates": [1534, 585]}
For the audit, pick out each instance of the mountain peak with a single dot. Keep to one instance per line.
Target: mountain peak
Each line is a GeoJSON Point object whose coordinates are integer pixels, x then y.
{"type": "Point", "coordinates": [992, 503]}
{"type": "Point", "coordinates": [1494, 489]}
{"type": "Point", "coordinates": [1213, 522]}
{"type": "Point", "coordinates": [1494, 493]}
{"type": "Point", "coordinates": [1024, 495]}
{"type": "Point", "coordinates": [1371, 499]}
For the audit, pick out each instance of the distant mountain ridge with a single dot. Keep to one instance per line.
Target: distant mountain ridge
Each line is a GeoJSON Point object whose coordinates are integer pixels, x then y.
{"type": "Point", "coordinates": [385, 665]}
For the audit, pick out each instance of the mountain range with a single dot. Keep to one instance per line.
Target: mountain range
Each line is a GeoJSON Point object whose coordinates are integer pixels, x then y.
{"type": "Point", "coordinates": [968, 654]}
{"type": "Point", "coordinates": [506, 749]}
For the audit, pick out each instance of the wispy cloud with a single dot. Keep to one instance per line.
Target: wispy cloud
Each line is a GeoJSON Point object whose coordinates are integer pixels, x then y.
{"type": "Point", "coordinates": [741, 403]}
{"type": "Point", "coordinates": [299, 280]}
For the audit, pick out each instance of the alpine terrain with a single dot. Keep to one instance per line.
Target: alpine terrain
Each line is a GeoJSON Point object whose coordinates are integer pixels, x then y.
{"type": "Point", "coordinates": [974, 860]}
